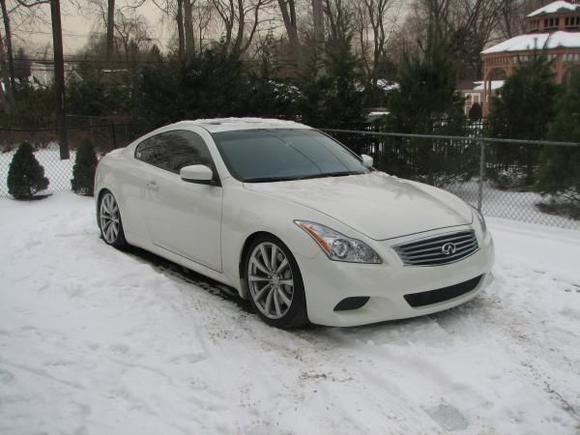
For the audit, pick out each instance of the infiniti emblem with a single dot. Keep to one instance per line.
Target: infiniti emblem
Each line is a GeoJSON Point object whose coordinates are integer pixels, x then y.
{"type": "Point", "coordinates": [448, 248]}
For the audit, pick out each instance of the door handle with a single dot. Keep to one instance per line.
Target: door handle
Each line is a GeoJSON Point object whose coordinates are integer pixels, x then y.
{"type": "Point", "coordinates": [152, 185]}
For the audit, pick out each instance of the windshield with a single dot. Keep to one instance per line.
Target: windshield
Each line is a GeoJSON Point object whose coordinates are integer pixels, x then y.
{"type": "Point", "coordinates": [285, 154]}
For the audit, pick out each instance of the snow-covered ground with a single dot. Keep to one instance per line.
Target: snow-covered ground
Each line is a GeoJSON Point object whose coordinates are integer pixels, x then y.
{"type": "Point", "coordinates": [96, 341]}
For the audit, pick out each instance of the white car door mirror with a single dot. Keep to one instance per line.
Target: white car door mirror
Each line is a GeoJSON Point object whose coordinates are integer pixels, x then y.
{"type": "Point", "coordinates": [196, 174]}
{"type": "Point", "coordinates": [367, 161]}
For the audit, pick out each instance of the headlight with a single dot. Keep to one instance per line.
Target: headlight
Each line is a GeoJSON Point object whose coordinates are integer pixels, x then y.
{"type": "Point", "coordinates": [481, 220]}
{"type": "Point", "coordinates": [339, 247]}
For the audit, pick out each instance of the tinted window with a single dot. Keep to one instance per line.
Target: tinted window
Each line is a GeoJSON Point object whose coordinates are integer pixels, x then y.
{"type": "Point", "coordinates": [278, 154]}
{"type": "Point", "coordinates": [153, 151]}
{"type": "Point", "coordinates": [174, 150]}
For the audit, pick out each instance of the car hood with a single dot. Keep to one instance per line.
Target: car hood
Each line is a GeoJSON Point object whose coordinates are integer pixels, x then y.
{"type": "Point", "coordinates": [376, 204]}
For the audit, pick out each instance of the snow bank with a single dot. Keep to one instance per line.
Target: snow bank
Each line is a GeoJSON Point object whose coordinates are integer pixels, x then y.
{"type": "Point", "coordinates": [93, 340]}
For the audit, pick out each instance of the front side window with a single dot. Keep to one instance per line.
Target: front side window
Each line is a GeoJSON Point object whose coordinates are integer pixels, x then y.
{"type": "Point", "coordinates": [285, 154]}
{"type": "Point", "coordinates": [173, 150]}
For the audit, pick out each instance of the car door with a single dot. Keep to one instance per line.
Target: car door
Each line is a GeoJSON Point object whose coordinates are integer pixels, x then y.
{"type": "Point", "coordinates": [182, 217]}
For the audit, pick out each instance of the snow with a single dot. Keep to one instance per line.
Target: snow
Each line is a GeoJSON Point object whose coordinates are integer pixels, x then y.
{"type": "Point", "coordinates": [388, 85]}
{"type": "Point", "coordinates": [94, 340]}
{"type": "Point", "coordinates": [537, 41]}
{"type": "Point", "coordinates": [557, 6]}
{"type": "Point", "coordinates": [495, 85]}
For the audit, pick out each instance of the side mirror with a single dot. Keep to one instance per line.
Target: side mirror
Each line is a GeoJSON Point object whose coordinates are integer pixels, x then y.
{"type": "Point", "coordinates": [367, 161]}
{"type": "Point", "coordinates": [196, 174]}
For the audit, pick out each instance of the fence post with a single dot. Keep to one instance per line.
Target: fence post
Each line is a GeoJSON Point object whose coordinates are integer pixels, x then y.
{"type": "Point", "coordinates": [481, 174]}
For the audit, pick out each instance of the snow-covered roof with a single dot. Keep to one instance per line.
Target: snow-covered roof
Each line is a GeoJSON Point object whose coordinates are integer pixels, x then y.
{"type": "Point", "coordinates": [495, 84]}
{"type": "Point", "coordinates": [217, 125]}
{"type": "Point", "coordinates": [537, 41]}
{"type": "Point", "coordinates": [557, 6]}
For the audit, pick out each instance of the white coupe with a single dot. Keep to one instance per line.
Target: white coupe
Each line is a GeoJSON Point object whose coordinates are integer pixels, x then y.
{"type": "Point", "coordinates": [293, 220]}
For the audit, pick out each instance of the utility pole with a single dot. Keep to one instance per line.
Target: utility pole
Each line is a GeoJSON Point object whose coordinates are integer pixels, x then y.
{"type": "Point", "coordinates": [5, 97]}
{"type": "Point", "coordinates": [59, 77]}
{"type": "Point", "coordinates": [9, 54]}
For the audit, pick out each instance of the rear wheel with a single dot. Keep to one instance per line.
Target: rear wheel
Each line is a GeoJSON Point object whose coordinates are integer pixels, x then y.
{"type": "Point", "coordinates": [275, 283]}
{"type": "Point", "coordinates": [110, 221]}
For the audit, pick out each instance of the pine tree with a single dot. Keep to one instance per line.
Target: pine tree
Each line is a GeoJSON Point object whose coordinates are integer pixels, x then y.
{"type": "Point", "coordinates": [84, 169]}
{"type": "Point", "coordinates": [475, 112]}
{"type": "Point", "coordinates": [25, 175]}
{"type": "Point", "coordinates": [427, 102]}
{"type": "Point", "coordinates": [330, 84]}
{"type": "Point", "coordinates": [525, 104]}
{"type": "Point", "coordinates": [427, 96]}
{"type": "Point", "coordinates": [559, 171]}
{"type": "Point", "coordinates": [523, 110]}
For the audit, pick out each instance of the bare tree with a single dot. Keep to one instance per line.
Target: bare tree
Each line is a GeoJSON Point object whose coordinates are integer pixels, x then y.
{"type": "Point", "coordinates": [203, 14]}
{"type": "Point", "coordinates": [371, 25]}
{"type": "Point", "coordinates": [23, 8]}
{"type": "Point", "coordinates": [240, 20]}
{"type": "Point", "coordinates": [132, 33]}
{"type": "Point", "coordinates": [340, 18]}
{"type": "Point", "coordinates": [461, 27]}
{"type": "Point", "coordinates": [512, 16]}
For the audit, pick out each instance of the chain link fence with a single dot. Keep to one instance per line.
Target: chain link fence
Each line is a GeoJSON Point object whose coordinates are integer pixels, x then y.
{"type": "Point", "coordinates": [45, 141]}
{"type": "Point", "coordinates": [496, 175]}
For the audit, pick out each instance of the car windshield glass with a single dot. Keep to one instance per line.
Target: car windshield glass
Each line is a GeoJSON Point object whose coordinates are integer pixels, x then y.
{"type": "Point", "coordinates": [285, 154]}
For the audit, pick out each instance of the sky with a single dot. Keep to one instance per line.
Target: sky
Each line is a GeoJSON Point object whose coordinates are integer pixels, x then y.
{"type": "Point", "coordinates": [78, 22]}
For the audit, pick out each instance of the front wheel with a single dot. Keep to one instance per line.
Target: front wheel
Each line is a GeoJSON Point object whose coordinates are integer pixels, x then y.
{"type": "Point", "coordinates": [275, 283]}
{"type": "Point", "coordinates": [110, 221]}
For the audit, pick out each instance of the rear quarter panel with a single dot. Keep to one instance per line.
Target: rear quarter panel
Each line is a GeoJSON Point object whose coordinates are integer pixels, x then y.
{"type": "Point", "coordinates": [119, 173]}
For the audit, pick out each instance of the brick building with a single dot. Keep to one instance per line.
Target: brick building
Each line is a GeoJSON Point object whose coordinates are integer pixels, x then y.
{"type": "Point", "coordinates": [554, 29]}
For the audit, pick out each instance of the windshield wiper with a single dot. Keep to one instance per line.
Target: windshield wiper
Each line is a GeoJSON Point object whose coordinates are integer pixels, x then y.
{"type": "Point", "coordinates": [268, 179]}
{"type": "Point", "coordinates": [341, 174]}
{"type": "Point", "coordinates": [303, 177]}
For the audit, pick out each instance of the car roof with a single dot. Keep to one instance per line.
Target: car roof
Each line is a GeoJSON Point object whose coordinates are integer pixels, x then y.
{"type": "Point", "coordinates": [217, 125]}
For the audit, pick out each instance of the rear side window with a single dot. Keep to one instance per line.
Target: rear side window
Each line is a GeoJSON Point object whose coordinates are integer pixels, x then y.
{"type": "Point", "coordinates": [173, 150]}
{"type": "Point", "coordinates": [153, 151]}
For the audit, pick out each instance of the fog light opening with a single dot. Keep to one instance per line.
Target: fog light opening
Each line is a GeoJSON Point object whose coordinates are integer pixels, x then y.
{"type": "Point", "coordinates": [351, 303]}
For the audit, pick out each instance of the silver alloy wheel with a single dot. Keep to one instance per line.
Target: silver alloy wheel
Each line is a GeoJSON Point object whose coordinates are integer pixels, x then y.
{"type": "Point", "coordinates": [270, 280]}
{"type": "Point", "coordinates": [109, 218]}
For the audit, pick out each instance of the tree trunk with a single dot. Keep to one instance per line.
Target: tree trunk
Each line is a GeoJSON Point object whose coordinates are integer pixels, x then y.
{"type": "Point", "coordinates": [59, 77]}
{"type": "Point", "coordinates": [180, 32]}
{"type": "Point", "coordinates": [318, 19]}
{"type": "Point", "coordinates": [110, 30]}
{"type": "Point", "coordinates": [188, 27]}
{"type": "Point", "coordinates": [9, 55]}
{"type": "Point", "coordinates": [288, 10]}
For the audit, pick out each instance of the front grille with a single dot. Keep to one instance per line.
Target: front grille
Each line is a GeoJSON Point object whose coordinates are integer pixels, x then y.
{"type": "Point", "coordinates": [442, 294]}
{"type": "Point", "coordinates": [438, 250]}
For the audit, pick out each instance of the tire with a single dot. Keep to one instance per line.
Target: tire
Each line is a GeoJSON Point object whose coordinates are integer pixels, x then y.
{"type": "Point", "coordinates": [109, 219]}
{"type": "Point", "coordinates": [274, 283]}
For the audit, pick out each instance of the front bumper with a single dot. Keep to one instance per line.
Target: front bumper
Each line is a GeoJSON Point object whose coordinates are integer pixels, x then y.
{"type": "Point", "coordinates": [328, 282]}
